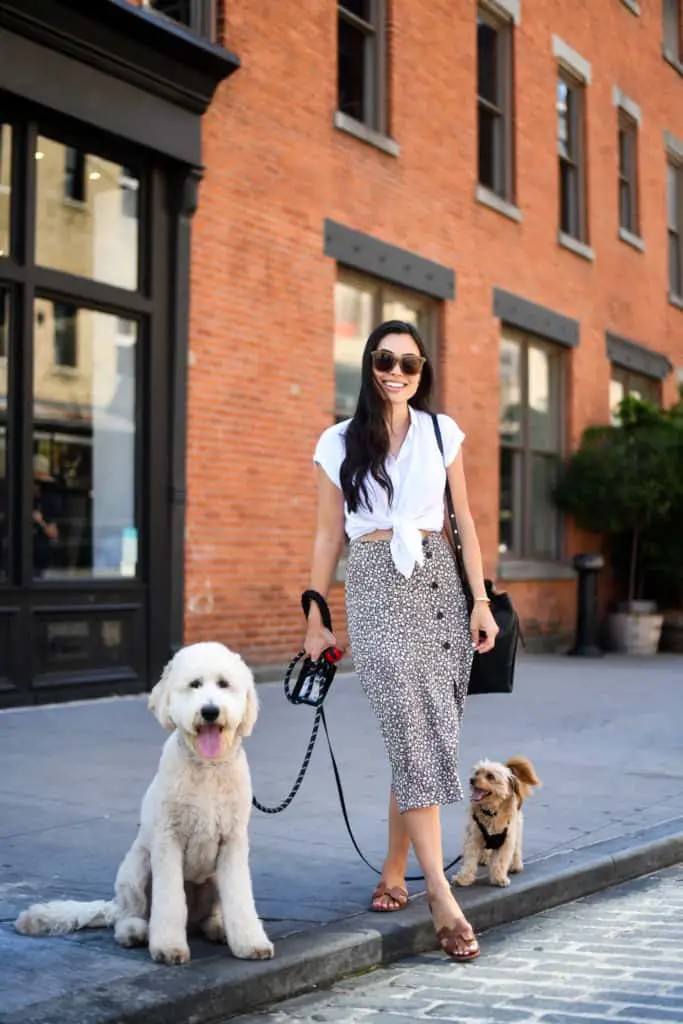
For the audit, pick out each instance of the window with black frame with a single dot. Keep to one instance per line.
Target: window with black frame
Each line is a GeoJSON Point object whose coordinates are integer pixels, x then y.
{"type": "Point", "coordinates": [625, 382]}
{"type": "Point", "coordinates": [675, 227]}
{"type": "Point", "coordinates": [4, 355]}
{"type": "Point", "coordinates": [5, 186]}
{"type": "Point", "coordinates": [531, 437]}
{"type": "Point", "coordinates": [627, 138]}
{"type": "Point", "coordinates": [570, 145]}
{"type": "Point", "coordinates": [361, 62]}
{"type": "Point", "coordinates": [87, 226]}
{"type": "Point", "coordinates": [495, 104]}
{"type": "Point", "coordinates": [197, 15]}
{"type": "Point", "coordinates": [672, 13]}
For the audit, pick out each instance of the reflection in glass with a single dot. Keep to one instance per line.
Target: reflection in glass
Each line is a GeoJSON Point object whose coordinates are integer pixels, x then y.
{"type": "Point", "coordinates": [487, 61]}
{"type": "Point", "coordinates": [86, 215]}
{"type": "Point", "coordinates": [5, 186]}
{"type": "Point", "coordinates": [351, 61]}
{"type": "Point", "coordinates": [543, 418]}
{"type": "Point", "coordinates": [510, 499]}
{"type": "Point", "coordinates": [563, 99]}
{"type": "Point", "coordinates": [616, 395]}
{"type": "Point", "coordinates": [510, 391]}
{"type": "Point", "coordinates": [398, 309]}
{"type": "Point", "coordinates": [544, 516]}
{"type": "Point", "coordinates": [4, 350]}
{"type": "Point", "coordinates": [353, 305]}
{"type": "Point", "coordinates": [83, 444]}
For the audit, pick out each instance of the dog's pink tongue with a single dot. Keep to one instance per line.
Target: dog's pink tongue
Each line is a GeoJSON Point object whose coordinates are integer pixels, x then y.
{"type": "Point", "coordinates": [209, 741]}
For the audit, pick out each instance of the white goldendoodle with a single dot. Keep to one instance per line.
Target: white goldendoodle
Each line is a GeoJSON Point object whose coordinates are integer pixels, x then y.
{"type": "Point", "coordinates": [189, 862]}
{"type": "Point", "coordinates": [495, 822]}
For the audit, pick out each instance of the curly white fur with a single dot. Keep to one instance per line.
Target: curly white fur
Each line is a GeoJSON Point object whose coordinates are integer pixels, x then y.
{"type": "Point", "coordinates": [189, 863]}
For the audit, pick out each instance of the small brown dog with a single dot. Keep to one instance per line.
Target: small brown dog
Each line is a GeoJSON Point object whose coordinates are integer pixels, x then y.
{"type": "Point", "coordinates": [493, 835]}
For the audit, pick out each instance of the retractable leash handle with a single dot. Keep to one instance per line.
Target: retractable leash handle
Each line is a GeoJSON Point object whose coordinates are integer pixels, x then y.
{"type": "Point", "coordinates": [315, 678]}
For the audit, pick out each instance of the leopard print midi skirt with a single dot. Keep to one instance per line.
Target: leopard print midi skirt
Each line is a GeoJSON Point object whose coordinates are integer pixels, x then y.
{"type": "Point", "coordinates": [412, 652]}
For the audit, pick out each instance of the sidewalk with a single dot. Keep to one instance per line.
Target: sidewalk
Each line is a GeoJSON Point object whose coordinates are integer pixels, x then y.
{"type": "Point", "coordinates": [605, 737]}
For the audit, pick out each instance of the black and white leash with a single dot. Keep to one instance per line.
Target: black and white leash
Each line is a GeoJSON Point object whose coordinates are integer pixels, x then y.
{"type": "Point", "coordinates": [319, 718]}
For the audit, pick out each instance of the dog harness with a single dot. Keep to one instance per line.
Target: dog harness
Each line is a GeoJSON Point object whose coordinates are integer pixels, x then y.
{"type": "Point", "coordinates": [492, 841]}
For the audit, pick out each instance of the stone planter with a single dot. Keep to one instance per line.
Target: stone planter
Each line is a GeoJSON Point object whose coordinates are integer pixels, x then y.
{"type": "Point", "coordinates": [672, 631]}
{"type": "Point", "coordinates": [635, 633]}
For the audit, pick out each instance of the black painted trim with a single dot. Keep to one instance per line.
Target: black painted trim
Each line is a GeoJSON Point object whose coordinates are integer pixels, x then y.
{"type": "Point", "coordinates": [540, 320]}
{"type": "Point", "coordinates": [372, 256]}
{"type": "Point", "coordinates": [633, 356]}
{"type": "Point", "coordinates": [131, 43]}
{"type": "Point", "coordinates": [186, 199]}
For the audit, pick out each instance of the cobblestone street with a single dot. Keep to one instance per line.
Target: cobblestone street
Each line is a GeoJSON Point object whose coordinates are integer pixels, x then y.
{"type": "Point", "coordinates": [616, 956]}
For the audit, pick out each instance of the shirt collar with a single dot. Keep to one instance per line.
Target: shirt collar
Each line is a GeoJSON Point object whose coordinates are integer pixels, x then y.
{"type": "Point", "coordinates": [408, 438]}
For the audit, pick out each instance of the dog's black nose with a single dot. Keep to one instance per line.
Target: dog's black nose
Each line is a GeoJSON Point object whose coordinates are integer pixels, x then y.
{"type": "Point", "coordinates": [210, 712]}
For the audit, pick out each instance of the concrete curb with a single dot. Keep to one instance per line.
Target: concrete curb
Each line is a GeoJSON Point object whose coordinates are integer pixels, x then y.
{"type": "Point", "coordinates": [222, 987]}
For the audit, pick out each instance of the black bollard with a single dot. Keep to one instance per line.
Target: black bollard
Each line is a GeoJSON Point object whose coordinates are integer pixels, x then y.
{"type": "Point", "coordinates": [586, 642]}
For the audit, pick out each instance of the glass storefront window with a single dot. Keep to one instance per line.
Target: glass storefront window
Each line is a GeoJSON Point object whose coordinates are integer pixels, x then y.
{"type": "Point", "coordinates": [84, 385]}
{"type": "Point", "coordinates": [4, 349]}
{"type": "Point", "coordinates": [5, 187]}
{"type": "Point", "coordinates": [87, 217]}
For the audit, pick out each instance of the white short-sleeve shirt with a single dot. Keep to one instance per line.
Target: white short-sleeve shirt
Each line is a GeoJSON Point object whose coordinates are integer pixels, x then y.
{"type": "Point", "coordinates": [418, 475]}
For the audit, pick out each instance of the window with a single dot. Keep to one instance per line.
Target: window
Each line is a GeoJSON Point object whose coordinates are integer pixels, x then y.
{"type": "Point", "coordinates": [628, 174]}
{"type": "Point", "coordinates": [4, 323]}
{"type": "Point", "coordinates": [570, 143]}
{"type": "Point", "coordinates": [494, 104]}
{"type": "Point", "coordinates": [361, 57]}
{"type": "Point", "coordinates": [100, 242]}
{"type": "Point", "coordinates": [675, 227]}
{"type": "Point", "coordinates": [673, 29]}
{"type": "Point", "coordinates": [65, 346]}
{"type": "Point", "coordinates": [5, 186]}
{"type": "Point", "coordinates": [74, 174]}
{"type": "Point", "coordinates": [360, 303]}
{"type": "Point", "coordinates": [197, 15]}
{"type": "Point", "coordinates": [530, 445]}
{"type": "Point", "coordinates": [129, 193]}
{"type": "Point", "coordinates": [625, 382]}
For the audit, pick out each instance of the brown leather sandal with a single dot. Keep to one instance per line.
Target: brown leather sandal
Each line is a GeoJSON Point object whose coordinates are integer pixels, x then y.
{"type": "Point", "coordinates": [395, 893]}
{"type": "Point", "coordinates": [448, 938]}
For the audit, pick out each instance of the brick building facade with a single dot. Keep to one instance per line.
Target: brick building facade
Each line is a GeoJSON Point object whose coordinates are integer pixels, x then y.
{"type": "Point", "coordinates": [447, 147]}
{"type": "Point", "coordinates": [199, 229]}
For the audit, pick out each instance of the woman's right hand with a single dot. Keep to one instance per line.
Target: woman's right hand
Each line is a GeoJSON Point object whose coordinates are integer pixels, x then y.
{"type": "Point", "coordinates": [318, 639]}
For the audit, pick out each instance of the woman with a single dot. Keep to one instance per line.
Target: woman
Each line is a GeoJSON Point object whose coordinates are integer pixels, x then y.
{"type": "Point", "coordinates": [381, 479]}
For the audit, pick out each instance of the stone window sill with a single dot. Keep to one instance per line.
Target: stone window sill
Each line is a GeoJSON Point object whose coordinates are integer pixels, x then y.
{"type": "Point", "coordinates": [575, 246]}
{"type": "Point", "coordinates": [673, 60]}
{"type": "Point", "coordinates": [631, 239]}
{"type": "Point", "coordinates": [361, 131]}
{"type": "Point", "coordinates": [676, 300]}
{"type": "Point", "coordinates": [531, 569]}
{"type": "Point", "coordinates": [633, 6]}
{"type": "Point", "coordinates": [495, 202]}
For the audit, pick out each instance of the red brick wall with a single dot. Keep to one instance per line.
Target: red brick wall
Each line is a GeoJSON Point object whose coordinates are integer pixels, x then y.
{"type": "Point", "coordinates": [261, 381]}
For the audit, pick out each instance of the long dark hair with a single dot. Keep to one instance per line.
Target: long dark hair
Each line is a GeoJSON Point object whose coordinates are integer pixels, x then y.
{"type": "Point", "coordinates": [367, 435]}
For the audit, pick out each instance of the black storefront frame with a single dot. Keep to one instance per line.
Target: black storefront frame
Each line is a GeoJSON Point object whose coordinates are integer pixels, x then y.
{"type": "Point", "coordinates": [159, 80]}
{"type": "Point", "coordinates": [34, 601]}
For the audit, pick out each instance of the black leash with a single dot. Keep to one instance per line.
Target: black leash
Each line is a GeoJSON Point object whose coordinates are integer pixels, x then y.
{"type": "Point", "coordinates": [311, 687]}
{"type": "Point", "coordinates": [318, 718]}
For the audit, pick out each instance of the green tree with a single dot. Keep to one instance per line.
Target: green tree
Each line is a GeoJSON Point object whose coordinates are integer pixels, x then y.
{"type": "Point", "coordinates": [625, 481]}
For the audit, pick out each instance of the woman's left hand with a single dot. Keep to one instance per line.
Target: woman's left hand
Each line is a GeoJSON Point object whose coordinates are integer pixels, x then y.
{"type": "Point", "coordinates": [483, 622]}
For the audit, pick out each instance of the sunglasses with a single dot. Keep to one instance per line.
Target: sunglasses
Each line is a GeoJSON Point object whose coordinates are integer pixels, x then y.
{"type": "Point", "coordinates": [384, 361]}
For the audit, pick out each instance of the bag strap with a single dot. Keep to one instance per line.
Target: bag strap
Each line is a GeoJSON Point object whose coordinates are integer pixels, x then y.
{"type": "Point", "coordinates": [455, 535]}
